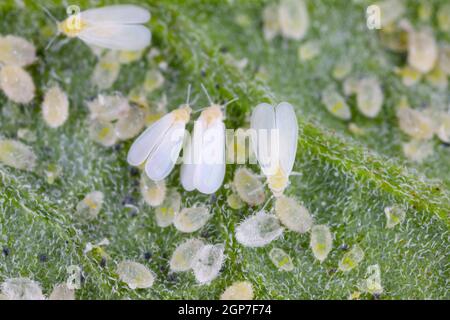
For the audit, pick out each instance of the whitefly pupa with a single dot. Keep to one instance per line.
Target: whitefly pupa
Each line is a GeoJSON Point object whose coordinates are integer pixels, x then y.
{"type": "Point", "coordinates": [135, 275]}
{"type": "Point", "coordinates": [249, 187]}
{"type": "Point", "coordinates": [281, 259]}
{"type": "Point", "coordinates": [15, 154]}
{"type": "Point", "coordinates": [184, 254]}
{"type": "Point", "coordinates": [153, 192]}
{"type": "Point", "coordinates": [55, 107]}
{"type": "Point", "coordinates": [208, 262]}
{"type": "Point", "coordinates": [293, 215]}
{"type": "Point", "coordinates": [351, 259]}
{"type": "Point", "coordinates": [258, 230]}
{"type": "Point", "coordinates": [321, 241]}
{"type": "Point", "coordinates": [17, 84]}
{"type": "Point", "coordinates": [240, 290]}
{"type": "Point", "coordinates": [166, 212]}
{"type": "Point", "coordinates": [191, 219]}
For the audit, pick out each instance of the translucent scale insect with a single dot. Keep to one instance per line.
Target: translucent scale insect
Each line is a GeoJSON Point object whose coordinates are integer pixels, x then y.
{"type": "Point", "coordinates": [241, 290]}
{"type": "Point", "coordinates": [204, 162]}
{"type": "Point", "coordinates": [159, 146]}
{"type": "Point", "coordinates": [258, 230]}
{"type": "Point", "coordinates": [117, 27]}
{"type": "Point", "coordinates": [135, 275]}
{"type": "Point", "coordinates": [275, 142]}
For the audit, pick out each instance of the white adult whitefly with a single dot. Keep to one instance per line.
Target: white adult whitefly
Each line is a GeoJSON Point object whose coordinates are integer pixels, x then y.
{"type": "Point", "coordinates": [159, 146]}
{"type": "Point", "coordinates": [275, 142]}
{"type": "Point", "coordinates": [116, 27]}
{"type": "Point", "coordinates": [204, 162]}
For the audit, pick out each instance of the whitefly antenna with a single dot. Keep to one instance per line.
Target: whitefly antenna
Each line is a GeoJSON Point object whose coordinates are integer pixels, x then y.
{"type": "Point", "coordinates": [207, 95]}
{"type": "Point", "coordinates": [48, 13]}
{"type": "Point", "coordinates": [188, 94]}
{"type": "Point", "coordinates": [54, 20]}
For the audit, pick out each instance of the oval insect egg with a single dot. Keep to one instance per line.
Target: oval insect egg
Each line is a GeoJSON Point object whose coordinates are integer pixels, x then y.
{"type": "Point", "coordinates": [135, 275]}
{"type": "Point", "coordinates": [184, 254]}
{"type": "Point", "coordinates": [258, 230]}
{"type": "Point", "coordinates": [103, 133]}
{"type": "Point", "coordinates": [89, 208]}
{"type": "Point", "coordinates": [336, 104]}
{"type": "Point", "coordinates": [126, 57]}
{"type": "Point", "coordinates": [409, 75]}
{"type": "Point", "coordinates": [22, 289]}
{"type": "Point", "coordinates": [16, 51]}
{"type": "Point", "coordinates": [208, 262]}
{"type": "Point", "coordinates": [241, 290]}
{"type": "Point", "coordinates": [293, 215]}
{"type": "Point", "coordinates": [153, 192]}
{"type": "Point", "coordinates": [52, 172]}
{"type": "Point", "coordinates": [62, 292]}
{"type": "Point", "coordinates": [414, 123]}
{"type": "Point", "coordinates": [351, 259]}
{"type": "Point", "coordinates": [249, 188]}
{"type": "Point", "coordinates": [234, 202]}
{"type": "Point", "coordinates": [422, 50]}
{"type": "Point", "coordinates": [153, 80]}
{"type": "Point", "coordinates": [350, 85]}
{"type": "Point", "coordinates": [17, 84]}
{"type": "Point", "coordinates": [131, 125]}
{"type": "Point", "coordinates": [394, 216]}
{"type": "Point", "coordinates": [309, 50]}
{"type": "Point", "coordinates": [321, 241]}
{"type": "Point", "coordinates": [55, 107]}
{"type": "Point", "coordinates": [342, 69]}
{"type": "Point", "coordinates": [191, 219]}
{"type": "Point", "coordinates": [17, 155]}
{"type": "Point", "coordinates": [437, 78]}
{"type": "Point", "coordinates": [293, 18]}
{"type": "Point", "coordinates": [444, 59]}
{"type": "Point", "coordinates": [167, 211]}
{"type": "Point", "coordinates": [109, 107]}
{"type": "Point", "coordinates": [417, 150]}
{"type": "Point", "coordinates": [271, 23]}
{"type": "Point", "coordinates": [372, 284]}
{"type": "Point", "coordinates": [106, 71]}
{"type": "Point", "coordinates": [281, 259]}
{"type": "Point", "coordinates": [369, 97]}
{"type": "Point", "coordinates": [443, 130]}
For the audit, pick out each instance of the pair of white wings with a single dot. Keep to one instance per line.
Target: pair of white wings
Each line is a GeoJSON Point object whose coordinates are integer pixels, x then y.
{"type": "Point", "coordinates": [159, 146]}
{"type": "Point", "coordinates": [204, 159]}
{"type": "Point", "coordinates": [281, 121]}
{"type": "Point", "coordinates": [116, 27]}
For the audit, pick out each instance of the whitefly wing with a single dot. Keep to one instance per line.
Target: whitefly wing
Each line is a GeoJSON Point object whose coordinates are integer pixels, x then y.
{"type": "Point", "coordinates": [117, 36]}
{"type": "Point", "coordinates": [117, 14]}
{"type": "Point", "coordinates": [286, 123]}
{"type": "Point", "coordinates": [162, 160]}
{"type": "Point", "coordinates": [210, 172]}
{"type": "Point", "coordinates": [263, 124]}
{"type": "Point", "coordinates": [148, 140]}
